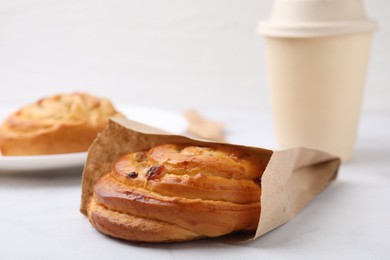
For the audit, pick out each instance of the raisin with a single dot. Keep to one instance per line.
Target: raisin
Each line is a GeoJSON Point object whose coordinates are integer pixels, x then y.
{"type": "Point", "coordinates": [132, 175]}
{"type": "Point", "coordinates": [154, 172]}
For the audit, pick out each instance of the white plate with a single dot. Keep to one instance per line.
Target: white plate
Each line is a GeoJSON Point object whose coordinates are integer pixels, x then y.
{"type": "Point", "coordinates": [165, 120]}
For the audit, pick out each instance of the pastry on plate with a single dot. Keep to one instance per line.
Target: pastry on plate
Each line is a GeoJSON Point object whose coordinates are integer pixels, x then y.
{"type": "Point", "coordinates": [175, 192]}
{"type": "Point", "coordinates": [65, 123]}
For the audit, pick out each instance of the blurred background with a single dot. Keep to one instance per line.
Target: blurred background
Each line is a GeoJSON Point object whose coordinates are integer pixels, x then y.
{"type": "Point", "coordinates": [171, 54]}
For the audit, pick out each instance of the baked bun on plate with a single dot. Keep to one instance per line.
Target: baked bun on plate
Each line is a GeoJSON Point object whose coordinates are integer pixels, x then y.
{"type": "Point", "coordinates": [59, 124]}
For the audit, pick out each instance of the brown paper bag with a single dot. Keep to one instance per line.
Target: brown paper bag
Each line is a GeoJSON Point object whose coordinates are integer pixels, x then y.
{"type": "Point", "coordinates": [291, 180]}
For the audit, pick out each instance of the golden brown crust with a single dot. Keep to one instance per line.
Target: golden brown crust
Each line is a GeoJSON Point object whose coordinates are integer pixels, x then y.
{"type": "Point", "coordinates": [130, 227]}
{"type": "Point", "coordinates": [59, 124]}
{"type": "Point", "coordinates": [201, 191]}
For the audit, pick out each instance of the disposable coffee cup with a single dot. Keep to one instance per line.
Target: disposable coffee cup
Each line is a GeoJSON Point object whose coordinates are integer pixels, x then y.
{"type": "Point", "coordinates": [317, 52]}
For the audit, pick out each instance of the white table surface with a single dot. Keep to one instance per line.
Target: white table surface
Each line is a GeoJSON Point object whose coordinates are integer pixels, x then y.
{"type": "Point", "coordinates": [40, 218]}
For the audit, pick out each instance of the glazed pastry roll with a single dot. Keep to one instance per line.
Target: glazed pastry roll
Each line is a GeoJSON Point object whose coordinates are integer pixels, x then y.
{"type": "Point", "coordinates": [65, 123]}
{"type": "Point", "coordinates": [175, 192]}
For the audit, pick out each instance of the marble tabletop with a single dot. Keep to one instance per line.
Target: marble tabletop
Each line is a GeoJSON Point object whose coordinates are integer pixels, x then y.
{"type": "Point", "coordinates": [40, 218]}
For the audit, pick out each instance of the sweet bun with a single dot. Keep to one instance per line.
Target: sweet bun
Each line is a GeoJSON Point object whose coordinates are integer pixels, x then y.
{"type": "Point", "coordinates": [65, 123]}
{"type": "Point", "coordinates": [177, 193]}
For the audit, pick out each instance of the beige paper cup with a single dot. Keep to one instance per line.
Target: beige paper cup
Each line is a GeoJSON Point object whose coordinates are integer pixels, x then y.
{"type": "Point", "coordinates": [316, 90]}
{"type": "Point", "coordinates": [317, 53]}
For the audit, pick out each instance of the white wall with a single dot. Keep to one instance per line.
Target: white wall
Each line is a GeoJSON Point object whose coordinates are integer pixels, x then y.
{"type": "Point", "coordinates": [166, 53]}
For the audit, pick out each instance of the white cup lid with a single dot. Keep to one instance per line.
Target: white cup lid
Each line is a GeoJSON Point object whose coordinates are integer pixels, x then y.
{"type": "Point", "coordinates": [308, 18]}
